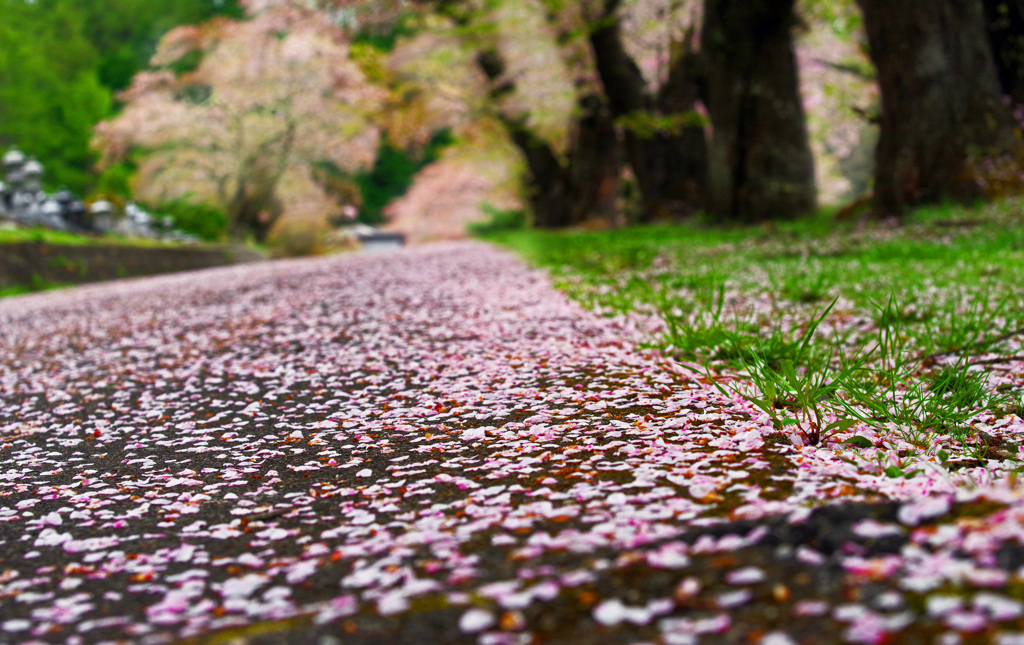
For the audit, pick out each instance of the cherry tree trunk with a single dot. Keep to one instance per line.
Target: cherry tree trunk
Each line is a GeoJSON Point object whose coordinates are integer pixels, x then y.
{"type": "Point", "coordinates": [946, 132]}
{"type": "Point", "coordinates": [582, 185]}
{"type": "Point", "coordinates": [569, 189]}
{"type": "Point", "coordinates": [253, 206]}
{"type": "Point", "coordinates": [1005, 22]}
{"type": "Point", "coordinates": [760, 165]}
{"type": "Point", "coordinates": [669, 161]}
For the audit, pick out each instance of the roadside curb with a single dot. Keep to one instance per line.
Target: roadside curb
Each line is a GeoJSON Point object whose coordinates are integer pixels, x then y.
{"type": "Point", "coordinates": [35, 264]}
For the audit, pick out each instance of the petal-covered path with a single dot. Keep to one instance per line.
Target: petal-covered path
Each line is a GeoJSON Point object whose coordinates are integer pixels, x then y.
{"type": "Point", "coordinates": [434, 446]}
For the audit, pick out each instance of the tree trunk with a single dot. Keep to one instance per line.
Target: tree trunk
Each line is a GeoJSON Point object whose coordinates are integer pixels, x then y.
{"type": "Point", "coordinates": [584, 185]}
{"type": "Point", "coordinates": [571, 190]}
{"type": "Point", "coordinates": [1005, 21]}
{"type": "Point", "coordinates": [254, 207]}
{"type": "Point", "coordinates": [563, 189]}
{"type": "Point", "coordinates": [664, 142]}
{"type": "Point", "coordinates": [946, 133]}
{"type": "Point", "coordinates": [760, 165]}
{"type": "Point", "coordinates": [595, 161]}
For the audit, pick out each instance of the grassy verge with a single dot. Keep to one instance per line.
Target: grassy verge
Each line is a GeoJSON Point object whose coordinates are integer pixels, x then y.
{"type": "Point", "coordinates": [21, 235]}
{"type": "Point", "coordinates": [912, 332]}
{"type": "Point", "coordinates": [36, 287]}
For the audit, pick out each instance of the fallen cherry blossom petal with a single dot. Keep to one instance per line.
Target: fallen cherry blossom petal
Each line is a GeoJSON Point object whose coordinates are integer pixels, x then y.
{"type": "Point", "coordinates": [476, 620]}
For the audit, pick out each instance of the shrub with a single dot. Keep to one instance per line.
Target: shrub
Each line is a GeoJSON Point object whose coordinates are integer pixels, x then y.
{"type": "Point", "coordinates": [294, 239]}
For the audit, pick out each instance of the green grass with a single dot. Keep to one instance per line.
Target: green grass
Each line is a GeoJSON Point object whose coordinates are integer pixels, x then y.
{"type": "Point", "coordinates": [16, 235]}
{"type": "Point", "coordinates": [36, 286]}
{"type": "Point", "coordinates": [47, 236]}
{"type": "Point", "coordinates": [7, 292]}
{"type": "Point", "coordinates": [912, 308]}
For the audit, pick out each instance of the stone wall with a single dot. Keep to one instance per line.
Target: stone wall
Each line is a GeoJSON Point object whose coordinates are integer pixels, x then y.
{"type": "Point", "coordinates": [38, 264]}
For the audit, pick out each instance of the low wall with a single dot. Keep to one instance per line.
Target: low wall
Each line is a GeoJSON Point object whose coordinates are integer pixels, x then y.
{"type": "Point", "coordinates": [37, 264]}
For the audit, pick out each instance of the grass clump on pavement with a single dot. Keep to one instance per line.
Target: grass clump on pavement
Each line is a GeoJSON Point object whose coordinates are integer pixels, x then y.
{"type": "Point", "coordinates": [922, 336]}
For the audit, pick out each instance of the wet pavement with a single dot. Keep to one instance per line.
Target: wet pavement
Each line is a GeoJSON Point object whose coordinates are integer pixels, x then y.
{"type": "Point", "coordinates": [434, 446]}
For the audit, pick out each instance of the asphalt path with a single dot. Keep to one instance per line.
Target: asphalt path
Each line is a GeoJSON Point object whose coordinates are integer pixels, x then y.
{"type": "Point", "coordinates": [427, 446]}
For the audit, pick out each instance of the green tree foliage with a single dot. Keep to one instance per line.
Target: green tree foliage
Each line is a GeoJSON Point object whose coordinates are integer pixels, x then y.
{"type": "Point", "coordinates": [125, 33]}
{"type": "Point", "coordinates": [60, 63]}
{"type": "Point", "coordinates": [50, 93]}
{"type": "Point", "coordinates": [117, 180]}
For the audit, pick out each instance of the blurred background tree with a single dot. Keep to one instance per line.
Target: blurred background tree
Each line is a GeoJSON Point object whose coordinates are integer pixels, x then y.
{"type": "Point", "coordinates": [661, 125]}
{"type": "Point", "coordinates": [239, 115]}
{"type": "Point", "coordinates": [947, 130]}
{"type": "Point", "coordinates": [760, 164]}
